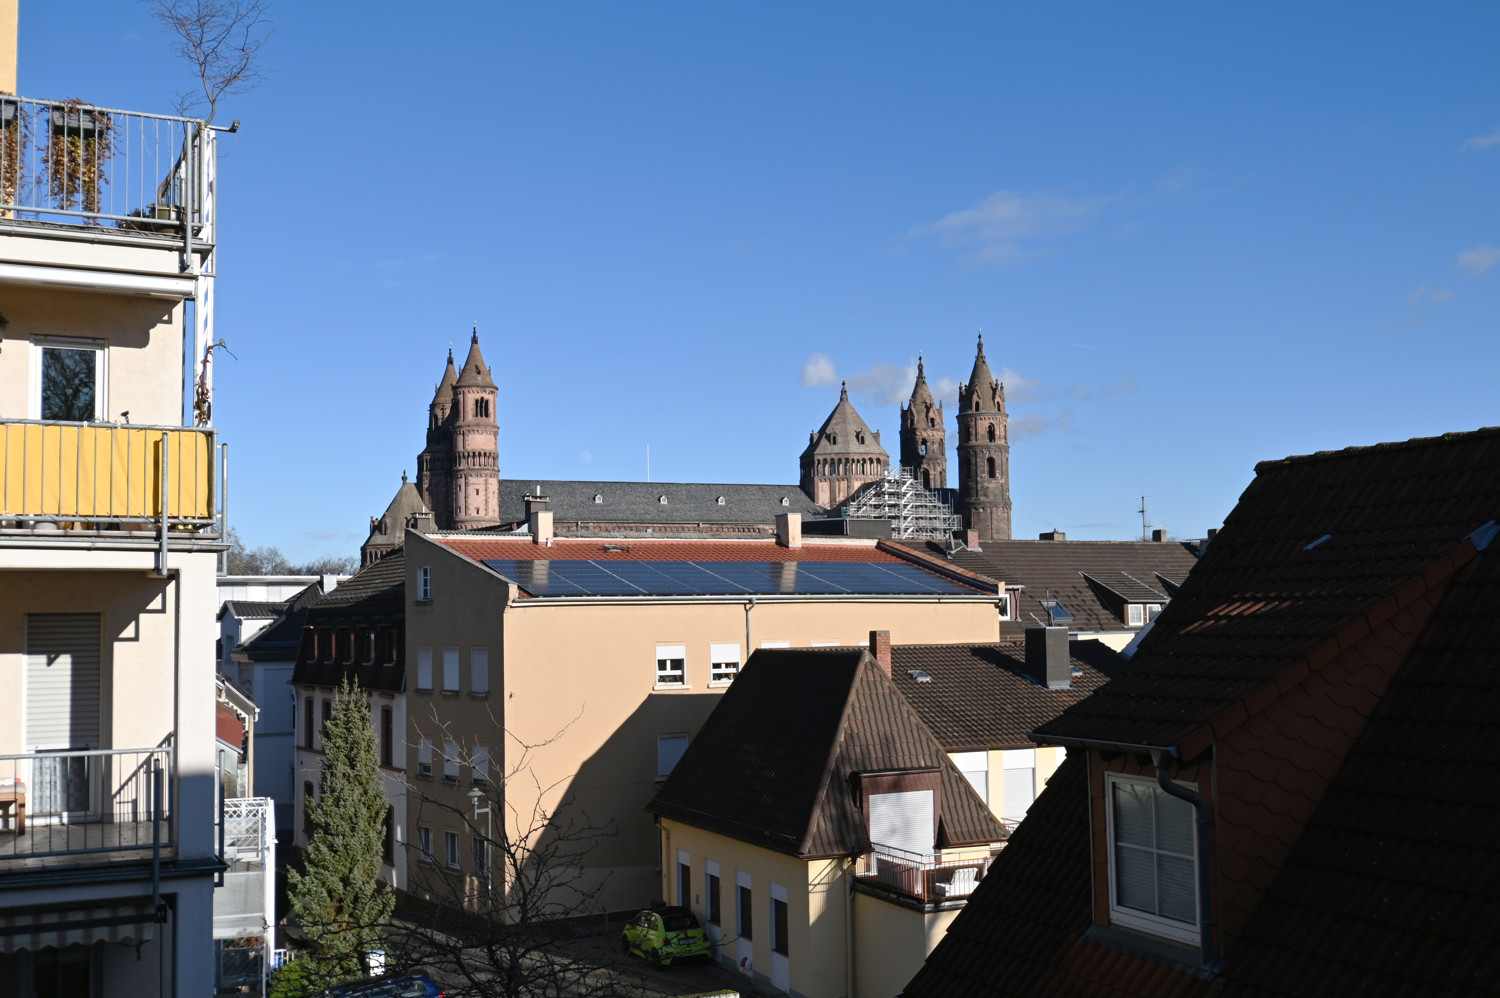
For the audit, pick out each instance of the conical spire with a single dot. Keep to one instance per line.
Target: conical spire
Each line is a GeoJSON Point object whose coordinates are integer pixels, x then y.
{"type": "Point", "coordinates": [981, 378]}
{"type": "Point", "coordinates": [920, 392]}
{"type": "Point", "coordinates": [475, 372]}
{"type": "Point", "coordinates": [450, 376]}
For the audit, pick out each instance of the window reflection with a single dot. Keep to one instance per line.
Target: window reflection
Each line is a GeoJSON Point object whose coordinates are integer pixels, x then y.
{"type": "Point", "coordinates": [68, 384]}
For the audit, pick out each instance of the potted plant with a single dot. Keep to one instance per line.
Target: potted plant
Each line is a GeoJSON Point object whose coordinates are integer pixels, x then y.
{"type": "Point", "coordinates": [78, 155]}
{"type": "Point", "coordinates": [13, 140]}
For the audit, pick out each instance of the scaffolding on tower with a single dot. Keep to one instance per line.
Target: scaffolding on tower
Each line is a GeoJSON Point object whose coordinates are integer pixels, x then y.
{"type": "Point", "coordinates": [915, 513]}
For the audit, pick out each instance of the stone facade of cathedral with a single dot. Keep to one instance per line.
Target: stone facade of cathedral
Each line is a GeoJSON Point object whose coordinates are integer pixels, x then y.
{"type": "Point", "coordinates": [458, 472]}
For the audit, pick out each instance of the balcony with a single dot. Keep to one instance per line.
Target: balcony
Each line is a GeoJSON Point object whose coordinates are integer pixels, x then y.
{"type": "Point", "coordinates": [79, 807]}
{"type": "Point", "coordinates": [927, 877]}
{"type": "Point", "coordinates": [76, 480]}
{"type": "Point", "coordinates": [66, 163]}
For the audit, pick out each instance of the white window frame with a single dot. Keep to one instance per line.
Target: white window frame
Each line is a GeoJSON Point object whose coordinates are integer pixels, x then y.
{"type": "Point", "coordinates": [451, 678]}
{"type": "Point", "coordinates": [775, 644]}
{"type": "Point", "coordinates": [101, 371]}
{"type": "Point", "coordinates": [826, 644]}
{"type": "Point", "coordinates": [779, 896]}
{"type": "Point", "coordinates": [450, 759]}
{"type": "Point", "coordinates": [972, 764]}
{"type": "Point", "coordinates": [743, 925]}
{"type": "Point", "coordinates": [684, 888]}
{"type": "Point", "coordinates": [1135, 614]}
{"type": "Point", "coordinates": [450, 850]}
{"type": "Point", "coordinates": [724, 663]}
{"type": "Point", "coordinates": [480, 763]}
{"type": "Point", "coordinates": [424, 669]}
{"type": "Point", "coordinates": [481, 855]}
{"type": "Point", "coordinates": [424, 758]}
{"type": "Point", "coordinates": [662, 769]}
{"type": "Point", "coordinates": [1005, 606]}
{"type": "Point", "coordinates": [424, 844]}
{"type": "Point", "coordinates": [479, 669]}
{"type": "Point", "coordinates": [669, 678]}
{"type": "Point", "coordinates": [424, 584]}
{"type": "Point", "coordinates": [1134, 918]}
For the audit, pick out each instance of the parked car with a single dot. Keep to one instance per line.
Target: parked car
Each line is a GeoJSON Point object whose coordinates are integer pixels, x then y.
{"type": "Point", "coordinates": [666, 934]}
{"type": "Point", "coordinates": [414, 985]}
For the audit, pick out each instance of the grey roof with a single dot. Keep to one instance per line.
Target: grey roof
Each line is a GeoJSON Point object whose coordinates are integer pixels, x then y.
{"type": "Point", "coordinates": [640, 502]}
{"type": "Point", "coordinates": [248, 609]}
{"type": "Point", "coordinates": [280, 641]}
{"type": "Point", "coordinates": [390, 528]}
{"type": "Point", "coordinates": [844, 433]}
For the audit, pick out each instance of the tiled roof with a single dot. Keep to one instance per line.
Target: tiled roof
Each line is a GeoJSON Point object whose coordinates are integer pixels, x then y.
{"type": "Point", "coordinates": [282, 638]}
{"type": "Point", "coordinates": [375, 595]}
{"type": "Point", "coordinates": [521, 549]}
{"type": "Point", "coordinates": [1057, 570]}
{"type": "Point", "coordinates": [248, 609]}
{"type": "Point", "coordinates": [981, 696]}
{"type": "Point", "coordinates": [640, 502]}
{"type": "Point", "coordinates": [773, 763]}
{"type": "Point", "coordinates": [1314, 544]}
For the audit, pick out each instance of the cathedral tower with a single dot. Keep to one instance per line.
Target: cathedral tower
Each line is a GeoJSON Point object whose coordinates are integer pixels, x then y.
{"type": "Point", "coordinates": [841, 455]}
{"type": "Point", "coordinates": [923, 439]}
{"type": "Point", "coordinates": [458, 472]}
{"type": "Point", "coordinates": [435, 463]}
{"type": "Point", "coordinates": [984, 453]}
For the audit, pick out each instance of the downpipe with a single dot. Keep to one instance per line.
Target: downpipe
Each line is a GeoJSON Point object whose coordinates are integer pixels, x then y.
{"type": "Point", "coordinates": [1206, 926]}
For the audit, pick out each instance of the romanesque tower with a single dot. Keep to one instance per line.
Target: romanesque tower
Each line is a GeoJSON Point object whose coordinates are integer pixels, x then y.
{"type": "Point", "coordinates": [435, 463]}
{"type": "Point", "coordinates": [923, 439]}
{"type": "Point", "coordinates": [458, 472]}
{"type": "Point", "coordinates": [476, 445]}
{"type": "Point", "coordinates": [983, 453]}
{"type": "Point", "coordinates": [841, 455]}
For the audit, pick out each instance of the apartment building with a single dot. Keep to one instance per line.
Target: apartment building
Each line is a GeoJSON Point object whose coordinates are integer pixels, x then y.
{"type": "Point", "coordinates": [108, 545]}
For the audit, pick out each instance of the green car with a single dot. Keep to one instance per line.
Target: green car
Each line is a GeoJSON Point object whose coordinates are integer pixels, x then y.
{"type": "Point", "coordinates": [665, 935]}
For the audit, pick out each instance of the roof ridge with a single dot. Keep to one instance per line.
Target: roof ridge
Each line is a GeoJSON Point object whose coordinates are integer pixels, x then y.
{"type": "Point", "coordinates": [1392, 445]}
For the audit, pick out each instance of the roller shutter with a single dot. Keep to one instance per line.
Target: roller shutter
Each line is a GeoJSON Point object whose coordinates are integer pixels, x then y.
{"type": "Point", "coordinates": [903, 820]}
{"type": "Point", "coordinates": [62, 680]}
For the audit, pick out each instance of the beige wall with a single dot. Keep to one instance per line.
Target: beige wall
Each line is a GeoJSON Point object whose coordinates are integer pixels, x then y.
{"type": "Point", "coordinates": [144, 337]}
{"type": "Point", "coordinates": [891, 943]}
{"type": "Point", "coordinates": [9, 25]}
{"type": "Point", "coordinates": [573, 700]}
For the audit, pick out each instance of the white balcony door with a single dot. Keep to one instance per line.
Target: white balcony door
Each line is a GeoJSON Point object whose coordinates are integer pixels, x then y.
{"type": "Point", "coordinates": [62, 708]}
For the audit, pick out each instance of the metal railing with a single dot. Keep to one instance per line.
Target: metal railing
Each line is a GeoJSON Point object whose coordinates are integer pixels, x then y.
{"type": "Point", "coordinates": [91, 474]}
{"type": "Point", "coordinates": [71, 163]}
{"type": "Point", "coordinates": [87, 802]}
{"type": "Point", "coordinates": [925, 876]}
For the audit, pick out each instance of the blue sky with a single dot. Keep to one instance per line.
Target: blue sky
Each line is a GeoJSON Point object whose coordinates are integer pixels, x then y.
{"type": "Point", "coordinates": [1196, 236]}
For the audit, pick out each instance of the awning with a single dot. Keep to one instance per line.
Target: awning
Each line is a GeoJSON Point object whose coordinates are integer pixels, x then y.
{"type": "Point", "coordinates": [134, 922]}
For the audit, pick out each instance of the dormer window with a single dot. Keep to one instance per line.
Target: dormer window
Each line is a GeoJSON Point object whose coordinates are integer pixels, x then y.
{"type": "Point", "coordinates": [662, 500]}
{"type": "Point", "coordinates": [1135, 614]}
{"type": "Point", "coordinates": [598, 500]}
{"type": "Point", "coordinates": [833, 438]}
{"type": "Point", "coordinates": [721, 500]}
{"type": "Point", "coordinates": [1153, 885]}
{"type": "Point", "coordinates": [859, 436]}
{"type": "Point", "coordinates": [785, 501]}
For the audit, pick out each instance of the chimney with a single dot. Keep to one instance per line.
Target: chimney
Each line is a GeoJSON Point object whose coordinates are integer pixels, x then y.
{"type": "Point", "coordinates": [534, 504]}
{"type": "Point", "coordinates": [970, 539]}
{"type": "Point", "coordinates": [1053, 535]}
{"type": "Point", "coordinates": [1208, 539]}
{"type": "Point", "coordinates": [789, 530]}
{"type": "Point", "coordinates": [880, 649]}
{"type": "Point", "coordinates": [541, 527]}
{"type": "Point", "coordinates": [1159, 534]}
{"type": "Point", "coordinates": [1047, 657]}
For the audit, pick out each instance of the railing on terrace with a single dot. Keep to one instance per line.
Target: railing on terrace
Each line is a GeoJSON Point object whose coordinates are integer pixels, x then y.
{"type": "Point", "coordinates": [84, 804]}
{"type": "Point", "coordinates": [60, 476]}
{"type": "Point", "coordinates": [70, 163]}
{"type": "Point", "coordinates": [924, 876]}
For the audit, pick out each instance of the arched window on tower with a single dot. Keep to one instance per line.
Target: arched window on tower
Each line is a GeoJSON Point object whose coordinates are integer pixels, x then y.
{"type": "Point", "coordinates": [991, 432]}
{"type": "Point", "coordinates": [931, 422]}
{"type": "Point", "coordinates": [922, 449]}
{"type": "Point", "coordinates": [926, 479]}
{"type": "Point", "coordinates": [990, 462]}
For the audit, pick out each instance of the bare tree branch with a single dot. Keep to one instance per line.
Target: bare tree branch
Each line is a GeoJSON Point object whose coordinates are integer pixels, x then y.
{"type": "Point", "coordinates": [221, 40]}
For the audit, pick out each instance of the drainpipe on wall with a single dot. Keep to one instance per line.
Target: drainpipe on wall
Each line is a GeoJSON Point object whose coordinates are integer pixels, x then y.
{"type": "Point", "coordinates": [849, 929]}
{"type": "Point", "coordinates": [1205, 828]}
{"type": "Point", "coordinates": [749, 639]}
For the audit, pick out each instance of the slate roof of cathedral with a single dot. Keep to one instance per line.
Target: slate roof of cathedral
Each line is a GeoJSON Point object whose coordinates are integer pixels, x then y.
{"type": "Point", "coordinates": [841, 433]}
{"type": "Point", "coordinates": [640, 502]}
{"type": "Point", "coordinates": [774, 763]}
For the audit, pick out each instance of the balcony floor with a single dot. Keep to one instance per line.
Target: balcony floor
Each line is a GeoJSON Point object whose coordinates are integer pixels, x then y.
{"type": "Point", "coordinates": [51, 846]}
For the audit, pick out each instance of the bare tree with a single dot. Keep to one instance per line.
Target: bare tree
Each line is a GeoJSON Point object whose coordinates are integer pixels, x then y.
{"type": "Point", "coordinates": [221, 40]}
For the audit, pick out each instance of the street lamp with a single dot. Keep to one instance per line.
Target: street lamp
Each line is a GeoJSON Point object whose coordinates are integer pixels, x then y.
{"type": "Point", "coordinates": [476, 795]}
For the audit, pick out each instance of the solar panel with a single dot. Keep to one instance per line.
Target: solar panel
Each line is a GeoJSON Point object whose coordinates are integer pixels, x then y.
{"type": "Point", "coordinates": [724, 578]}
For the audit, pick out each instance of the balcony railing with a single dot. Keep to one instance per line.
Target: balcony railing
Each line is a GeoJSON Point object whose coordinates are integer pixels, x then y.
{"type": "Point", "coordinates": [62, 476]}
{"type": "Point", "coordinates": [84, 806]}
{"type": "Point", "coordinates": [924, 876]}
{"type": "Point", "coordinates": [70, 163]}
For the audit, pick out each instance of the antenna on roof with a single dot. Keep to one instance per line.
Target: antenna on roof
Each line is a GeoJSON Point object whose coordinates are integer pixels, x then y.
{"type": "Point", "coordinates": [648, 462]}
{"type": "Point", "coordinates": [1145, 533]}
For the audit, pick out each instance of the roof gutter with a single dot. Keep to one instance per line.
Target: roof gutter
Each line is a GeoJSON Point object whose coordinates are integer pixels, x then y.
{"type": "Point", "coordinates": [1162, 758]}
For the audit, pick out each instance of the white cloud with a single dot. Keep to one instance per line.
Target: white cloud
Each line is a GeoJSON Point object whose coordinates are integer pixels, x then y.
{"type": "Point", "coordinates": [1018, 387]}
{"type": "Point", "coordinates": [889, 384]}
{"type": "Point", "coordinates": [1123, 385]}
{"type": "Point", "coordinates": [818, 371]}
{"type": "Point", "coordinates": [1424, 293]}
{"type": "Point", "coordinates": [1009, 226]}
{"type": "Point", "coordinates": [1479, 259]}
{"type": "Point", "coordinates": [1035, 424]}
{"type": "Point", "coordinates": [586, 457]}
{"type": "Point", "coordinates": [1484, 141]}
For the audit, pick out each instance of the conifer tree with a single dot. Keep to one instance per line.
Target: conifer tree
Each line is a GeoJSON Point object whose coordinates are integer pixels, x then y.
{"type": "Point", "coordinates": [337, 902]}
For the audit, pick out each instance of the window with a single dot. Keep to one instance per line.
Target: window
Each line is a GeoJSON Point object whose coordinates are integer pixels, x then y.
{"type": "Point", "coordinates": [346, 645]}
{"type": "Point", "coordinates": [785, 501]}
{"type": "Point", "coordinates": [1152, 609]}
{"type": "Point", "coordinates": [1153, 884]}
{"type": "Point", "coordinates": [598, 500]}
{"type": "Point", "coordinates": [424, 758]}
{"type": "Point", "coordinates": [711, 892]}
{"type": "Point", "coordinates": [990, 432]}
{"type": "Point", "coordinates": [450, 670]}
{"type": "Point", "coordinates": [424, 668]}
{"type": "Point", "coordinates": [327, 716]}
{"type": "Point", "coordinates": [671, 665]}
{"type": "Point", "coordinates": [424, 585]}
{"type": "Point", "coordinates": [481, 856]}
{"type": "Point", "coordinates": [479, 670]}
{"type": "Point", "coordinates": [387, 726]}
{"type": "Point", "coordinates": [307, 802]}
{"type": "Point", "coordinates": [450, 850]}
{"type": "Point", "coordinates": [725, 661]}
{"type": "Point", "coordinates": [424, 844]}
{"type": "Point", "coordinates": [480, 763]}
{"type": "Point", "coordinates": [778, 920]}
{"type": "Point", "coordinates": [1135, 614]}
{"type": "Point", "coordinates": [662, 500]}
{"type": "Point", "coordinates": [743, 904]}
{"type": "Point", "coordinates": [69, 379]}
{"type": "Point", "coordinates": [990, 464]}
{"type": "Point", "coordinates": [450, 760]}
{"type": "Point", "coordinates": [684, 879]}
{"type": "Point", "coordinates": [1005, 607]}
{"type": "Point", "coordinates": [721, 500]}
{"type": "Point", "coordinates": [775, 644]}
{"type": "Point", "coordinates": [1020, 782]}
{"type": "Point", "coordinates": [669, 749]}
{"type": "Point", "coordinates": [388, 846]}
{"type": "Point", "coordinates": [367, 646]}
{"type": "Point", "coordinates": [307, 723]}
{"type": "Point", "coordinates": [976, 769]}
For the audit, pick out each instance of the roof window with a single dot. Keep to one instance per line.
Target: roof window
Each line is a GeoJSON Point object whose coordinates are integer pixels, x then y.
{"type": "Point", "coordinates": [919, 675]}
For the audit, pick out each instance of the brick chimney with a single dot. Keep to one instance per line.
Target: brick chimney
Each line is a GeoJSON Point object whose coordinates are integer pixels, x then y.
{"type": "Point", "coordinates": [1047, 657]}
{"type": "Point", "coordinates": [880, 649]}
{"type": "Point", "coordinates": [1053, 535]}
{"type": "Point", "coordinates": [534, 503]}
{"type": "Point", "coordinates": [970, 539]}
{"type": "Point", "coordinates": [789, 530]}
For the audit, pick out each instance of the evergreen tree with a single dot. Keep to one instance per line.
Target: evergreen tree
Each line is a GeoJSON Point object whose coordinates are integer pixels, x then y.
{"type": "Point", "coordinates": [337, 902]}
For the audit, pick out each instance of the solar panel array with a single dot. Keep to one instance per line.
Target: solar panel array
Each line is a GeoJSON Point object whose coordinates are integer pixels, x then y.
{"type": "Point", "coordinates": [724, 578]}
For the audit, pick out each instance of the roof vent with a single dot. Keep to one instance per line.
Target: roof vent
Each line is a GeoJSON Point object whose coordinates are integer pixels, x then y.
{"type": "Point", "coordinates": [919, 675]}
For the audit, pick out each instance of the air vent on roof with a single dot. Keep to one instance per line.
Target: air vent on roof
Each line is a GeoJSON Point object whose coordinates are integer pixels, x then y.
{"type": "Point", "coordinates": [919, 675]}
